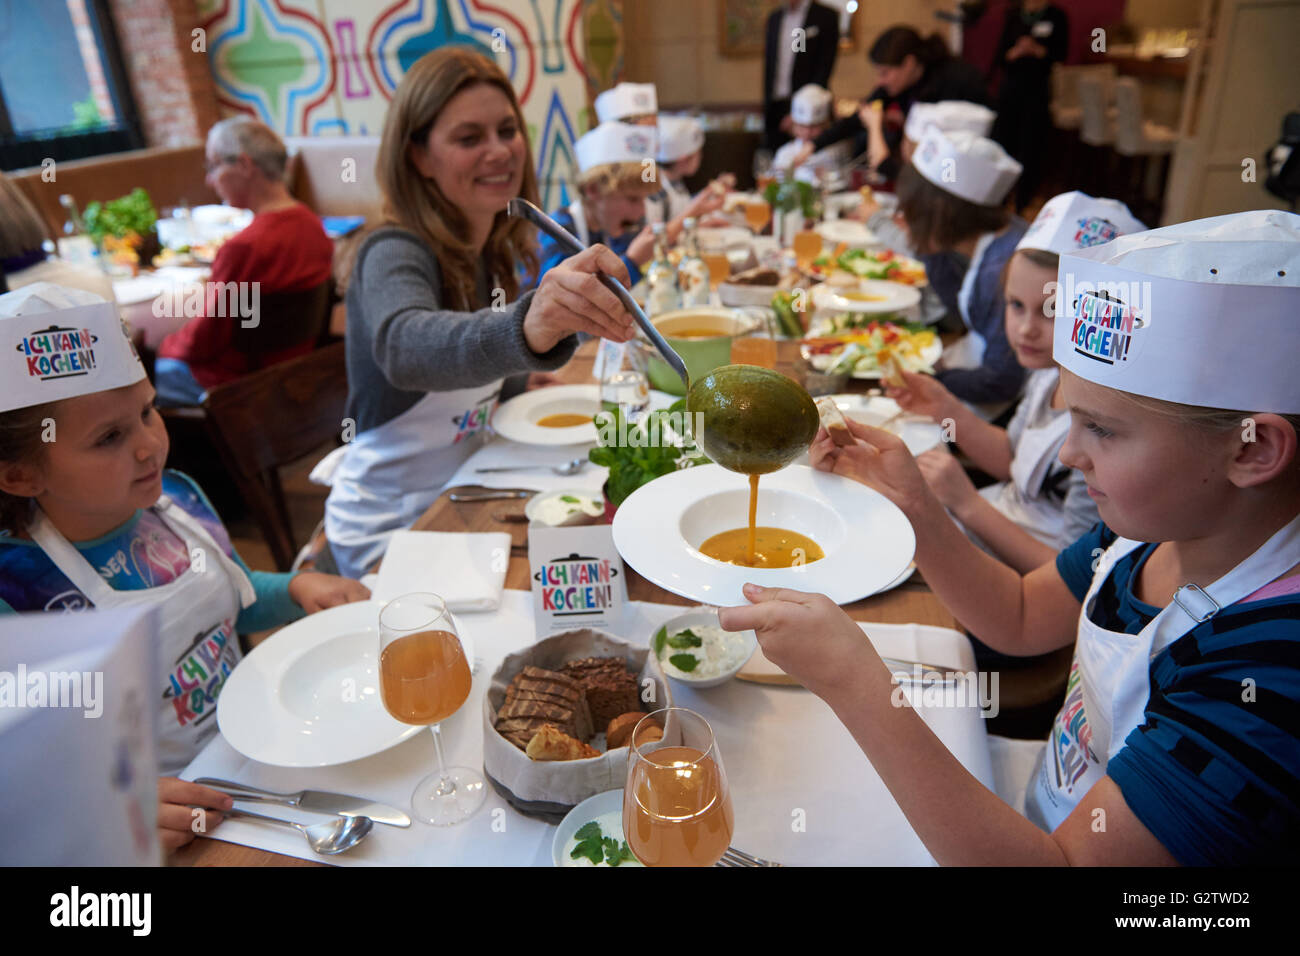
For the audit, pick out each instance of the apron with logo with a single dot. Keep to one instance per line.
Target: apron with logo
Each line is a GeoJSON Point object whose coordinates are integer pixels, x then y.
{"type": "Point", "coordinates": [968, 351]}
{"type": "Point", "coordinates": [1108, 687]}
{"type": "Point", "coordinates": [196, 620]}
{"type": "Point", "coordinates": [388, 476]}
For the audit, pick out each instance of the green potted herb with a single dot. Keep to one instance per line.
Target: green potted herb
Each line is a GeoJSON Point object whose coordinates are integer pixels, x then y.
{"type": "Point", "coordinates": [636, 454]}
{"type": "Point", "coordinates": [129, 219]}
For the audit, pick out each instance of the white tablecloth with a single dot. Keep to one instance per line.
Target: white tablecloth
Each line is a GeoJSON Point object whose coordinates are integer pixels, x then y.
{"type": "Point", "coordinates": [787, 758]}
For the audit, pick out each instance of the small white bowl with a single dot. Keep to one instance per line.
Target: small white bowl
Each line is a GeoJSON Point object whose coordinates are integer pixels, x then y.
{"type": "Point", "coordinates": [734, 295]}
{"type": "Point", "coordinates": [598, 806]}
{"type": "Point", "coordinates": [531, 510]}
{"type": "Point", "coordinates": [703, 617]}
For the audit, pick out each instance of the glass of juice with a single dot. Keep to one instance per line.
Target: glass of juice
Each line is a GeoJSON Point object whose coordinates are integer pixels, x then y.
{"type": "Point", "coordinates": [719, 267]}
{"type": "Point", "coordinates": [676, 802]}
{"type": "Point", "coordinates": [757, 214]}
{"type": "Point", "coordinates": [807, 247]}
{"type": "Point", "coordinates": [757, 345]}
{"type": "Point", "coordinates": [424, 678]}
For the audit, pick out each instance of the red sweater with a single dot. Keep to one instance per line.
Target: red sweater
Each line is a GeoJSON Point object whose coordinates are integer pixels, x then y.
{"type": "Point", "coordinates": [286, 251]}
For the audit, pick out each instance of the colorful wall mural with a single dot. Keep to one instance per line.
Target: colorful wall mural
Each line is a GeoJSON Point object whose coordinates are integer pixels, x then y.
{"type": "Point", "coordinates": [329, 67]}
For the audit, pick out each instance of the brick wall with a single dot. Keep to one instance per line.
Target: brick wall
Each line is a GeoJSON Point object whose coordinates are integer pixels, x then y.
{"type": "Point", "coordinates": [172, 85]}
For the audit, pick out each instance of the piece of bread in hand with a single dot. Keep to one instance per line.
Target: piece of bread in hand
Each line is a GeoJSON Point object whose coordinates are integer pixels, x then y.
{"type": "Point", "coordinates": [891, 370]}
{"type": "Point", "coordinates": [833, 421]}
{"type": "Point", "coordinates": [551, 743]}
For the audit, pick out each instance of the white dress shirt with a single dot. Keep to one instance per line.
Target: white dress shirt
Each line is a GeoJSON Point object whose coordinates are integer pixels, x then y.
{"type": "Point", "coordinates": [791, 20]}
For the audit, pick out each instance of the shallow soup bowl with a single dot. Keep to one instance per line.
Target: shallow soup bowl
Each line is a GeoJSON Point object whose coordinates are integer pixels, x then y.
{"type": "Point", "coordinates": [702, 337]}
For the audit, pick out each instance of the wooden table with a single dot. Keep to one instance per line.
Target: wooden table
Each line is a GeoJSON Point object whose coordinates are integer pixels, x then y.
{"type": "Point", "coordinates": [911, 602]}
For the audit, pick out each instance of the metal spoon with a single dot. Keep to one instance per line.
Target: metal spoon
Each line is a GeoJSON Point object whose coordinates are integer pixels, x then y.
{"type": "Point", "coordinates": [523, 209]}
{"type": "Point", "coordinates": [568, 468]}
{"type": "Point", "coordinates": [327, 839]}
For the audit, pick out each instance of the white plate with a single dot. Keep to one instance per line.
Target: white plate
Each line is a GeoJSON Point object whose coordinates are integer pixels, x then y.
{"type": "Point", "coordinates": [602, 803]}
{"type": "Point", "coordinates": [853, 234]}
{"type": "Point", "coordinates": [821, 362]}
{"type": "Point", "coordinates": [919, 434]}
{"type": "Point", "coordinates": [722, 238]}
{"type": "Point", "coordinates": [891, 297]}
{"type": "Point", "coordinates": [866, 539]}
{"type": "Point", "coordinates": [308, 696]}
{"type": "Point", "coordinates": [517, 418]}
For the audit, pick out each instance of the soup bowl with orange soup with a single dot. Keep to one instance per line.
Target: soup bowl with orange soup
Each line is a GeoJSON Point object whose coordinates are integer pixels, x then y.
{"type": "Point", "coordinates": [702, 337]}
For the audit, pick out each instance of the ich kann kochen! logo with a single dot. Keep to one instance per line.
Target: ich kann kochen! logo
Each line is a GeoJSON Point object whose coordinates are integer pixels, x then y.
{"type": "Point", "coordinates": [1103, 327]}
{"type": "Point", "coordinates": [58, 352]}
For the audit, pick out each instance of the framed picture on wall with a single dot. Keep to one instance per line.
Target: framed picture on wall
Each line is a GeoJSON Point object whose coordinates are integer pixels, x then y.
{"type": "Point", "coordinates": [742, 25]}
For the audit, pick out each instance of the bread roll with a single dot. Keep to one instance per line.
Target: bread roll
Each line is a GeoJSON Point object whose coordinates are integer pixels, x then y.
{"type": "Point", "coordinates": [620, 729]}
{"type": "Point", "coordinates": [833, 421]}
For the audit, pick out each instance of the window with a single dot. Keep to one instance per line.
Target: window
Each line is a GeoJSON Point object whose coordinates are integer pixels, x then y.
{"type": "Point", "coordinates": [63, 91]}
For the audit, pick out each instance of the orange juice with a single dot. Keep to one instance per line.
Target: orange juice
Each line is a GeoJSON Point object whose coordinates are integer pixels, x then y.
{"type": "Point", "coordinates": [424, 677]}
{"type": "Point", "coordinates": [757, 214]}
{"type": "Point", "coordinates": [676, 809]}
{"type": "Point", "coordinates": [753, 350]}
{"type": "Point", "coordinates": [807, 246]}
{"type": "Point", "coordinates": [719, 267]}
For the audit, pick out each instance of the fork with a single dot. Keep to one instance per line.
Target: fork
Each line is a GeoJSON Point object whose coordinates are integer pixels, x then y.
{"type": "Point", "coordinates": [733, 857]}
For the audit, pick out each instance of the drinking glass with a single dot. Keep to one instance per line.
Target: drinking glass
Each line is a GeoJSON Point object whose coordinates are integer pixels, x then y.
{"type": "Point", "coordinates": [676, 802]}
{"type": "Point", "coordinates": [757, 214]}
{"type": "Point", "coordinates": [762, 169]}
{"type": "Point", "coordinates": [757, 346]}
{"type": "Point", "coordinates": [807, 246]}
{"type": "Point", "coordinates": [424, 678]}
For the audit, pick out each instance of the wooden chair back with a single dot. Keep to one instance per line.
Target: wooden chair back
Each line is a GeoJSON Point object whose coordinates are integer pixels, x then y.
{"type": "Point", "coordinates": [271, 418]}
{"type": "Point", "coordinates": [280, 321]}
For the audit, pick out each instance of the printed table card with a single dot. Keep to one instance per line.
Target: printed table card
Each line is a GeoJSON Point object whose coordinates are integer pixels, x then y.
{"type": "Point", "coordinates": [577, 579]}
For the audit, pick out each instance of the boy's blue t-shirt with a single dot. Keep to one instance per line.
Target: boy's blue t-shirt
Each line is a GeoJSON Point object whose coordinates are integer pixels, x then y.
{"type": "Point", "coordinates": [1213, 771]}
{"type": "Point", "coordinates": [141, 553]}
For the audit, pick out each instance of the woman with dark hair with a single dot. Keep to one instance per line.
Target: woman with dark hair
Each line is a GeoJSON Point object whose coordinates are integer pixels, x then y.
{"type": "Point", "coordinates": [911, 69]}
{"type": "Point", "coordinates": [435, 319]}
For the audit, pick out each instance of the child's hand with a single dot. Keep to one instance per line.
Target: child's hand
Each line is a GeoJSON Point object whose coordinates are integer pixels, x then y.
{"type": "Point", "coordinates": [924, 395]}
{"type": "Point", "coordinates": [178, 824]}
{"type": "Point", "coordinates": [946, 478]}
{"type": "Point", "coordinates": [806, 635]}
{"type": "Point", "coordinates": [313, 591]}
{"type": "Point", "coordinates": [642, 249]}
{"type": "Point", "coordinates": [878, 459]}
{"type": "Point", "coordinates": [706, 201]}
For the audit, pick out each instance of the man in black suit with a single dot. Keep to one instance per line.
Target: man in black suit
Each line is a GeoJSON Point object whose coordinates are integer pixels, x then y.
{"type": "Point", "coordinates": [802, 39]}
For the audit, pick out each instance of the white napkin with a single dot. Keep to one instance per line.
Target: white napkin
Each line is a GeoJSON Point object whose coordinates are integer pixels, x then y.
{"type": "Point", "coordinates": [467, 570]}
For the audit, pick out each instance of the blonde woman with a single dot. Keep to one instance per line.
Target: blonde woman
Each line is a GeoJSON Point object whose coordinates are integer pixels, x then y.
{"type": "Point", "coordinates": [433, 322]}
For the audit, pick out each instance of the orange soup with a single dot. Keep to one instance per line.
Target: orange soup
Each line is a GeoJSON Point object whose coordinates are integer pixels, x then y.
{"type": "Point", "coordinates": [565, 420]}
{"type": "Point", "coordinates": [773, 548]}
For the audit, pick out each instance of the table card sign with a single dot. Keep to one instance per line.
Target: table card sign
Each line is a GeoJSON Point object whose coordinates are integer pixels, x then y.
{"type": "Point", "coordinates": [577, 579]}
{"type": "Point", "coordinates": [78, 722]}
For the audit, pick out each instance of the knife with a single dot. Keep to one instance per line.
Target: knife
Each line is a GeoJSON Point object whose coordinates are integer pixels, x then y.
{"type": "Point", "coordinates": [482, 493]}
{"type": "Point", "coordinates": [317, 801]}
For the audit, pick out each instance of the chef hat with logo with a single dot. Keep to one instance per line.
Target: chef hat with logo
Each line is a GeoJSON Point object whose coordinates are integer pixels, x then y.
{"type": "Point", "coordinates": [625, 100]}
{"type": "Point", "coordinates": [968, 166]}
{"type": "Point", "coordinates": [948, 115]}
{"type": "Point", "coordinates": [58, 343]}
{"type": "Point", "coordinates": [811, 106]}
{"type": "Point", "coordinates": [1075, 220]}
{"type": "Point", "coordinates": [679, 137]}
{"type": "Point", "coordinates": [616, 143]}
{"type": "Point", "coordinates": [1202, 313]}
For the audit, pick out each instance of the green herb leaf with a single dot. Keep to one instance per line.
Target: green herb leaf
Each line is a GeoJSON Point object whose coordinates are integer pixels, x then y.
{"type": "Point", "coordinates": [661, 635]}
{"type": "Point", "coordinates": [625, 854]}
{"type": "Point", "coordinates": [686, 638]}
{"type": "Point", "coordinates": [590, 843]}
{"type": "Point", "coordinates": [569, 498]}
{"type": "Point", "coordinates": [612, 854]}
{"type": "Point", "coordinates": [683, 662]}
{"type": "Point", "coordinates": [590, 831]}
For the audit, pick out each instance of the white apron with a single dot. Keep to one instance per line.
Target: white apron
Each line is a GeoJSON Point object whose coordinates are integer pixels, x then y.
{"type": "Point", "coordinates": [1108, 688]}
{"type": "Point", "coordinates": [968, 351]}
{"type": "Point", "coordinates": [1036, 452]}
{"type": "Point", "coordinates": [579, 216]}
{"type": "Point", "coordinates": [196, 621]}
{"type": "Point", "coordinates": [388, 476]}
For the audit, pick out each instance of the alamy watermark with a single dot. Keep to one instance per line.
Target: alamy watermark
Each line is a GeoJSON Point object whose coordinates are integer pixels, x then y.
{"type": "Point", "coordinates": [78, 690]}
{"type": "Point", "coordinates": [225, 300]}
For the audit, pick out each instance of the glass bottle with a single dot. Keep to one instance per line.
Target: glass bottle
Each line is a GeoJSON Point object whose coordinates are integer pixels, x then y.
{"type": "Point", "coordinates": [787, 210]}
{"type": "Point", "coordinates": [661, 278]}
{"type": "Point", "coordinates": [692, 271]}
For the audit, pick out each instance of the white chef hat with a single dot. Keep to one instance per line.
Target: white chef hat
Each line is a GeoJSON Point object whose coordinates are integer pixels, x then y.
{"type": "Point", "coordinates": [1202, 313]}
{"type": "Point", "coordinates": [1075, 220]}
{"type": "Point", "coordinates": [616, 143]}
{"type": "Point", "coordinates": [811, 105]}
{"type": "Point", "coordinates": [626, 99]}
{"type": "Point", "coordinates": [679, 137]}
{"type": "Point", "coordinates": [58, 343]}
{"type": "Point", "coordinates": [948, 115]}
{"type": "Point", "coordinates": [968, 166]}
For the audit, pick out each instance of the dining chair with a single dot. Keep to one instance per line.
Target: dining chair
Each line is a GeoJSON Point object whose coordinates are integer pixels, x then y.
{"type": "Point", "coordinates": [272, 418]}
{"type": "Point", "coordinates": [1139, 141]}
{"type": "Point", "coordinates": [282, 321]}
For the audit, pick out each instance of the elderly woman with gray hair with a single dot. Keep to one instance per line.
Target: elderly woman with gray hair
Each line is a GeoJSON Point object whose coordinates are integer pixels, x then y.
{"type": "Point", "coordinates": [284, 249]}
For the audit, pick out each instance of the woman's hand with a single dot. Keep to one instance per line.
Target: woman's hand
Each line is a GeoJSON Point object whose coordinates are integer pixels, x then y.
{"type": "Point", "coordinates": [947, 479]}
{"type": "Point", "coordinates": [542, 380]}
{"type": "Point", "coordinates": [313, 591]}
{"type": "Point", "coordinates": [786, 620]}
{"type": "Point", "coordinates": [878, 459]}
{"type": "Point", "coordinates": [571, 299]}
{"type": "Point", "coordinates": [178, 824]}
{"type": "Point", "coordinates": [925, 395]}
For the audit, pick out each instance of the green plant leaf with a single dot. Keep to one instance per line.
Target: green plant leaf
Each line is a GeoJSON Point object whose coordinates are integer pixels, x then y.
{"type": "Point", "coordinates": [686, 638]}
{"type": "Point", "coordinates": [661, 635]}
{"type": "Point", "coordinates": [684, 662]}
